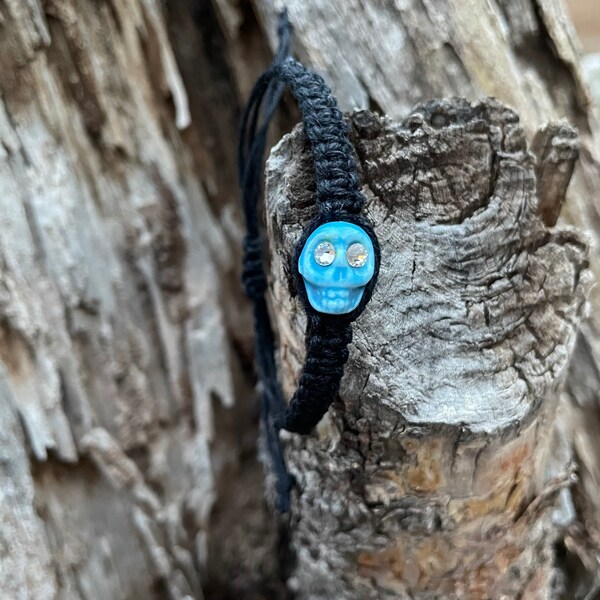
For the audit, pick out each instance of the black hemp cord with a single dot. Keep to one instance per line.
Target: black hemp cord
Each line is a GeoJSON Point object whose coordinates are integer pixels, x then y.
{"type": "Point", "coordinates": [338, 198]}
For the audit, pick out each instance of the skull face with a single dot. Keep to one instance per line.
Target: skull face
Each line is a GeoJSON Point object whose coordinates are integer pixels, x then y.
{"type": "Point", "coordinates": [336, 264]}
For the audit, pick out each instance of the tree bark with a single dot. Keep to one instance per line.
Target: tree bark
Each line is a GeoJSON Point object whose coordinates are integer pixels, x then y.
{"type": "Point", "coordinates": [117, 353]}
{"type": "Point", "coordinates": [431, 477]}
{"type": "Point", "coordinates": [389, 56]}
{"type": "Point", "coordinates": [127, 409]}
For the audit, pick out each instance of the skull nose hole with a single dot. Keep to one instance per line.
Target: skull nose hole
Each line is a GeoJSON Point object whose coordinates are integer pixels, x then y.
{"type": "Point", "coordinates": [338, 274]}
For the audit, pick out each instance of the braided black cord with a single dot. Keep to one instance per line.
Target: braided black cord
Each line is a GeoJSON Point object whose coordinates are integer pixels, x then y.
{"type": "Point", "coordinates": [338, 198]}
{"type": "Point", "coordinates": [250, 155]}
{"type": "Point", "coordinates": [326, 355]}
{"type": "Point", "coordinates": [338, 189]}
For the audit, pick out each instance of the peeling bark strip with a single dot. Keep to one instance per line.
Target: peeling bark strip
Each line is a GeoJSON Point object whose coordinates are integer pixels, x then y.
{"type": "Point", "coordinates": [429, 480]}
{"type": "Point", "coordinates": [115, 354]}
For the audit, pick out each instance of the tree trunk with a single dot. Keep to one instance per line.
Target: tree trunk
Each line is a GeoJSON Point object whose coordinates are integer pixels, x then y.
{"type": "Point", "coordinates": [117, 312]}
{"type": "Point", "coordinates": [389, 56]}
{"type": "Point", "coordinates": [127, 410]}
{"type": "Point", "coordinates": [423, 486]}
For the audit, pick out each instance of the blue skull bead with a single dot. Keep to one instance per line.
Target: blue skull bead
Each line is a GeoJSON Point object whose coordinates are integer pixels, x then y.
{"type": "Point", "coordinates": [336, 264]}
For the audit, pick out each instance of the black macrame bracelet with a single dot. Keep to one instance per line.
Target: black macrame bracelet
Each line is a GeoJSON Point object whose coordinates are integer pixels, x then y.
{"type": "Point", "coordinates": [337, 225]}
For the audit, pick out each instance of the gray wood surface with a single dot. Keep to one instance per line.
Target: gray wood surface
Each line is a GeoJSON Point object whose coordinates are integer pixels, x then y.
{"type": "Point", "coordinates": [111, 329]}
{"type": "Point", "coordinates": [430, 478]}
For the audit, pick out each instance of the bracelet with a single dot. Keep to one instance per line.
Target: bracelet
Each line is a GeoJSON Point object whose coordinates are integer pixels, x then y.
{"type": "Point", "coordinates": [335, 263]}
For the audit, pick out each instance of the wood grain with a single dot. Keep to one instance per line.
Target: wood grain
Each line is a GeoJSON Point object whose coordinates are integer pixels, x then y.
{"type": "Point", "coordinates": [426, 479]}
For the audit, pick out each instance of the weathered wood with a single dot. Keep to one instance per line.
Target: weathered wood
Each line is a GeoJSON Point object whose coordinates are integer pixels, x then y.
{"type": "Point", "coordinates": [124, 340]}
{"type": "Point", "coordinates": [556, 148]}
{"type": "Point", "coordinates": [392, 55]}
{"type": "Point", "coordinates": [114, 344]}
{"type": "Point", "coordinates": [430, 478]}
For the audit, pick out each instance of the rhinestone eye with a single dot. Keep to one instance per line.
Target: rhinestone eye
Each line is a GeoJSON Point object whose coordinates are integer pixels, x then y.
{"type": "Point", "coordinates": [325, 254]}
{"type": "Point", "coordinates": [357, 255]}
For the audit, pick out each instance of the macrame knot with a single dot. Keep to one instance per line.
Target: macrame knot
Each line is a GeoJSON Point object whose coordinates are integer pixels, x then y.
{"type": "Point", "coordinates": [253, 275]}
{"type": "Point", "coordinates": [327, 352]}
{"type": "Point", "coordinates": [327, 361]}
{"type": "Point", "coordinates": [348, 203]}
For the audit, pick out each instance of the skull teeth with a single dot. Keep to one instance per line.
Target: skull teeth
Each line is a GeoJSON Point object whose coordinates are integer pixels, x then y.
{"type": "Point", "coordinates": [333, 294]}
{"type": "Point", "coordinates": [334, 301]}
